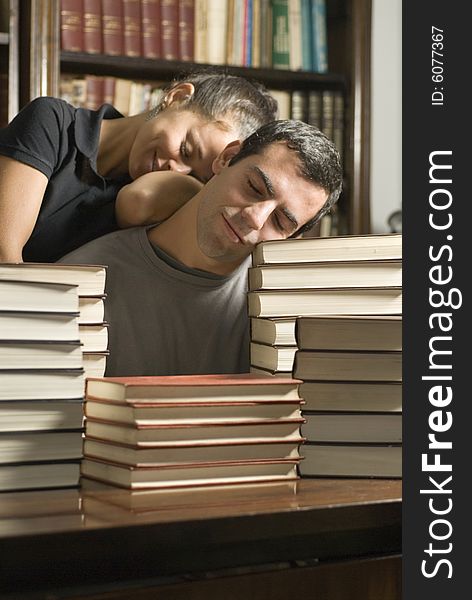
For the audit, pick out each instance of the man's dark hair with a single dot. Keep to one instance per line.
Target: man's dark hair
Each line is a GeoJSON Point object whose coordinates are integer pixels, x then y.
{"type": "Point", "coordinates": [319, 159]}
{"type": "Point", "coordinates": [221, 96]}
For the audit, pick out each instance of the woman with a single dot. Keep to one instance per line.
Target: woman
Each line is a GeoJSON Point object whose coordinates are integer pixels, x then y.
{"type": "Point", "coordinates": [61, 168]}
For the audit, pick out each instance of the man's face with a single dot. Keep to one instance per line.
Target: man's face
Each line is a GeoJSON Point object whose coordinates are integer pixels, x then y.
{"type": "Point", "coordinates": [262, 197]}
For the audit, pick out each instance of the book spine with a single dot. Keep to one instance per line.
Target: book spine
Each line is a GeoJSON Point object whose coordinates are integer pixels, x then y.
{"type": "Point", "coordinates": [216, 32]}
{"type": "Point", "coordinates": [299, 106]}
{"type": "Point", "coordinates": [306, 35]}
{"type": "Point", "coordinates": [328, 113]}
{"type": "Point", "coordinates": [151, 28]}
{"type": "Point", "coordinates": [338, 122]}
{"type": "Point", "coordinates": [314, 108]}
{"type": "Point", "coordinates": [186, 29]}
{"type": "Point", "coordinates": [256, 34]}
{"type": "Point", "coordinates": [200, 36]}
{"type": "Point", "coordinates": [266, 33]}
{"type": "Point", "coordinates": [132, 27]}
{"type": "Point", "coordinates": [295, 34]}
{"type": "Point", "coordinates": [319, 36]}
{"type": "Point", "coordinates": [280, 35]}
{"type": "Point", "coordinates": [93, 26]}
{"type": "Point", "coordinates": [109, 90]}
{"type": "Point", "coordinates": [170, 29]}
{"type": "Point", "coordinates": [247, 34]}
{"type": "Point", "coordinates": [94, 93]}
{"type": "Point", "coordinates": [72, 25]}
{"type": "Point", "coordinates": [112, 23]}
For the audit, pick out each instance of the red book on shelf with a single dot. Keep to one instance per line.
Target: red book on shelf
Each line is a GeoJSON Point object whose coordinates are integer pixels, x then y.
{"type": "Point", "coordinates": [108, 90]}
{"type": "Point", "coordinates": [170, 29]}
{"type": "Point", "coordinates": [94, 92]}
{"type": "Point", "coordinates": [72, 25]}
{"type": "Point", "coordinates": [93, 26]}
{"type": "Point", "coordinates": [151, 28]}
{"type": "Point", "coordinates": [132, 27]}
{"type": "Point", "coordinates": [186, 29]}
{"type": "Point", "coordinates": [112, 19]}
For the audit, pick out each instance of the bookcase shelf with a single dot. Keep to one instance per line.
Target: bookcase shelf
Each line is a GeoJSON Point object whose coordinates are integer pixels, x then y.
{"type": "Point", "coordinates": [349, 34]}
{"type": "Point", "coordinates": [148, 68]}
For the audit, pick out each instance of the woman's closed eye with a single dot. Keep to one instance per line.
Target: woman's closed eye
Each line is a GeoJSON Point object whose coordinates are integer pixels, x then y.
{"type": "Point", "coordinates": [184, 149]}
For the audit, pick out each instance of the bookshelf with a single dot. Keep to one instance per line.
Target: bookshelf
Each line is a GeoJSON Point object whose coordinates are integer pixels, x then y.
{"type": "Point", "coordinates": [8, 60]}
{"type": "Point", "coordinates": [348, 24]}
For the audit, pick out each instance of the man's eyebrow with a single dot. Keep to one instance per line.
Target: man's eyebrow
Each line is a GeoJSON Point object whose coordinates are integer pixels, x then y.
{"type": "Point", "coordinates": [271, 192]}
{"type": "Point", "coordinates": [266, 180]}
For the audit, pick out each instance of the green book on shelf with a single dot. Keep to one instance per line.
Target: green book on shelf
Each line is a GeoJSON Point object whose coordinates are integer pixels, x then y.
{"type": "Point", "coordinates": [280, 35]}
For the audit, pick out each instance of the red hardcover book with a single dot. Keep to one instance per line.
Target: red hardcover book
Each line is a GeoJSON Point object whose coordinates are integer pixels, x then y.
{"type": "Point", "coordinates": [108, 90]}
{"type": "Point", "coordinates": [186, 29]}
{"type": "Point", "coordinates": [112, 19]}
{"type": "Point", "coordinates": [192, 388]}
{"type": "Point", "coordinates": [93, 43]}
{"type": "Point", "coordinates": [72, 25]}
{"type": "Point", "coordinates": [151, 28]}
{"type": "Point", "coordinates": [94, 92]}
{"type": "Point", "coordinates": [170, 29]}
{"type": "Point", "coordinates": [132, 27]}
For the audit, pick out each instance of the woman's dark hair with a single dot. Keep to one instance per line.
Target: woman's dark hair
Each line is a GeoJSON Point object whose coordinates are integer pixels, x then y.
{"type": "Point", "coordinates": [319, 159]}
{"type": "Point", "coordinates": [219, 96]}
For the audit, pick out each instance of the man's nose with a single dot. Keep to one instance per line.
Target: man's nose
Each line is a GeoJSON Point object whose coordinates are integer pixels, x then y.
{"type": "Point", "coordinates": [256, 215]}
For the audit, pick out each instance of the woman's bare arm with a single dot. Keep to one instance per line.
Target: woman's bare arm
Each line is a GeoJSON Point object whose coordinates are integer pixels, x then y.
{"type": "Point", "coordinates": [154, 197]}
{"type": "Point", "coordinates": [21, 193]}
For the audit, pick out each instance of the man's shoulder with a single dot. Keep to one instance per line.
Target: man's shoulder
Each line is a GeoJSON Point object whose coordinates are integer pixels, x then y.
{"type": "Point", "coordinates": [108, 249]}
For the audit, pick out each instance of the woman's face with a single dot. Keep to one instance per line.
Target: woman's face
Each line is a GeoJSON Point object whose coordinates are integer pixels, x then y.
{"type": "Point", "coordinates": [178, 140]}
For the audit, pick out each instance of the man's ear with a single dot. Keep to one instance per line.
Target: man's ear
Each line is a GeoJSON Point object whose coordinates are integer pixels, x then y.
{"type": "Point", "coordinates": [223, 158]}
{"type": "Point", "coordinates": [179, 93]}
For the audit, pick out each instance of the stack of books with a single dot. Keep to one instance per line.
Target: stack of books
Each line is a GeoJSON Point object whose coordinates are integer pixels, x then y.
{"type": "Point", "coordinates": [41, 384]}
{"type": "Point", "coordinates": [317, 276]}
{"type": "Point", "coordinates": [328, 311]}
{"type": "Point", "coordinates": [90, 283]}
{"type": "Point", "coordinates": [351, 367]}
{"type": "Point", "coordinates": [178, 431]}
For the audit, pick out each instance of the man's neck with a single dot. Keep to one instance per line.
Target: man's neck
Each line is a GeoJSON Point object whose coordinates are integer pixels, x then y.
{"type": "Point", "coordinates": [177, 236]}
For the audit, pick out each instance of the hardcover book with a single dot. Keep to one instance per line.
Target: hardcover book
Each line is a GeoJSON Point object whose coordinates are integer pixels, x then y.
{"type": "Point", "coordinates": [174, 455]}
{"type": "Point", "coordinates": [351, 460]}
{"type": "Point", "coordinates": [72, 25]}
{"type": "Point", "coordinates": [89, 279]}
{"type": "Point", "coordinates": [353, 427]}
{"type": "Point", "coordinates": [174, 414]}
{"type": "Point", "coordinates": [348, 332]}
{"type": "Point", "coordinates": [192, 388]}
{"type": "Point", "coordinates": [327, 274]}
{"type": "Point", "coordinates": [151, 28]}
{"type": "Point", "coordinates": [341, 248]}
{"type": "Point", "coordinates": [41, 415]}
{"type": "Point", "coordinates": [348, 366]}
{"type": "Point", "coordinates": [93, 43]}
{"type": "Point", "coordinates": [182, 435]}
{"type": "Point", "coordinates": [169, 477]}
{"type": "Point", "coordinates": [326, 301]}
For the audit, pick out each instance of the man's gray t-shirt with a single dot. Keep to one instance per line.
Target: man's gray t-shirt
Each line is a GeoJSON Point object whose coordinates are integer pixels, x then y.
{"type": "Point", "coordinates": [167, 319]}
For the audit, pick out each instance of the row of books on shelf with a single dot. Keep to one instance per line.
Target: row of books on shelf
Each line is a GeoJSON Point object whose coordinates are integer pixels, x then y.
{"type": "Point", "coordinates": [52, 336]}
{"type": "Point", "coordinates": [279, 34]}
{"type": "Point", "coordinates": [329, 311]}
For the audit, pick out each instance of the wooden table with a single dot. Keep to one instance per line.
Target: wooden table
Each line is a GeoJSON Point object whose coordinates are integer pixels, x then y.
{"type": "Point", "coordinates": [103, 542]}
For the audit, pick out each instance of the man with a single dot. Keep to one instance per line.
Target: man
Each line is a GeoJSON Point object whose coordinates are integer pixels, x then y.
{"type": "Point", "coordinates": [177, 291]}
